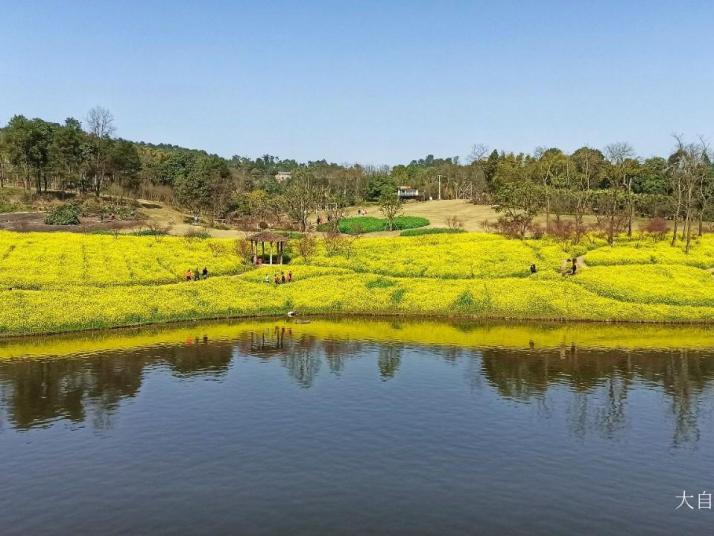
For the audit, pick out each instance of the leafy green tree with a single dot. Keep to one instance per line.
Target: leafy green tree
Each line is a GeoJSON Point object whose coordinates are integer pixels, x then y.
{"type": "Point", "coordinates": [491, 168]}
{"type": "Point", "coordinates": [378, 185]}
{"type": "Point", "coordinates": [653, 177]}
{"type": "Point", "coordinates": [68, 152]}
{"type": "Point", "coordinates": [519, 202]}
{"type": "Point", "coordinates": [125, 165]}
{"type": "Point", "coordinates": [28, 145]}
{"type": "Point", "coordinates": [206, 187]}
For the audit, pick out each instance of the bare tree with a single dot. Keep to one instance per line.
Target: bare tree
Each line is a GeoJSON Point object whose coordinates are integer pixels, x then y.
{"type": "Point", "coordinates": [581, 179]}
{"type": "Point", "coordinates": [705, 191]}
{"type": "Point", "coordinates": [300, 199]}
{"type": "Point", "coordinates": [551, 166]}
{"type": "Point", "coordinates": [478, 153]}
{"type": "Point", "coordinates": [689, 170]}
{"type": "Point", "coordinates": [621, 155]}
{"type": "Point", "coordinates": [100, 122]}
{"type": "Point", "coordinates": [101, 127]}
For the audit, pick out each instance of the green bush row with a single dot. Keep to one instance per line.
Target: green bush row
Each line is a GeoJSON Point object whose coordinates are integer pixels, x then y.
{"type": "Point", "coordinates": [430, 231]}
{"type": "Point", "coordinates": [370, 224]}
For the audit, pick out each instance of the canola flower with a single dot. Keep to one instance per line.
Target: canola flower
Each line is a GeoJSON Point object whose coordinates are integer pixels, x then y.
{"type": "Point", "coordinates": [42, 260]}
{"type": "Point", "coordinates": [67, 282]}
{"type": "Point", "coordinates": [444, 256]}
{"type": "Point", "coordinates": [646, 251]}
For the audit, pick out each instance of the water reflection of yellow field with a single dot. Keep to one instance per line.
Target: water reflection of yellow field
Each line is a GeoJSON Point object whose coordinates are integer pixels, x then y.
{"type": "Point", "coordinates": [515, 336]}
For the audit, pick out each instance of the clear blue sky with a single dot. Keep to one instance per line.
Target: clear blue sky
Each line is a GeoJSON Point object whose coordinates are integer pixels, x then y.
{"type": "Point", "coordinates": [371, 82]}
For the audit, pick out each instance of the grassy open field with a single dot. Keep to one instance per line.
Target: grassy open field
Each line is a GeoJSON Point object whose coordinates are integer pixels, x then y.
{"type": "Point", "coordinates": [64, 282]}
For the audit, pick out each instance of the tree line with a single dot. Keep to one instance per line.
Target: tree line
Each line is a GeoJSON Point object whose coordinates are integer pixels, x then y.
{"type": "Point", "coordinates": [611, 185]}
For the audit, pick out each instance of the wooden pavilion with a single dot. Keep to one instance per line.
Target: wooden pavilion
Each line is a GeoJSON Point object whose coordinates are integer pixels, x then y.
{"type": "Point", "coordinates": [258, 241]}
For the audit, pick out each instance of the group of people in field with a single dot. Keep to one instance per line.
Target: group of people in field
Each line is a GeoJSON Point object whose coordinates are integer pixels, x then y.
{"type": "Point", "coordinates": [565, 270]}
{"type": "Point", "coordinates": [280, 279]}
{"type": "Point", "coordinates": [573, 267]}
{"type": "Point", "coordinates": [196, 275]}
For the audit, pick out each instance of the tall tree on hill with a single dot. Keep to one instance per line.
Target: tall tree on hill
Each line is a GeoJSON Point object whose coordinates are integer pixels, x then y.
{"type": "Point", "coordinates": [4, 160]}
{"type": "Point", "coordinates": [624, 169]}
{"type": "Point", "coordinates": [28, 145]}
{"type": "Point", "coordinates": [67, 151]}
{"type": "Point", "coordinates": [550, 166]}
{"type": "Point", "coordinates": [125, 165]}
{"type": "Point", "coordinates": [705, 190]}
{"type": "Point", "coordinates": [491, 168]}
{"type": "Point", "coordinates": [477, 163]}
{"type": "Point", "coordinates": [301, 197]}
{"type": "Point", "coordinates": [206, 187]}
{"type": "Point", "coordinates": [519, 202]}
{"type": "Point", "coordinates": [100, 123]}
{"type": "Point", "coordinates": [690, 169]}
{"type": "Point", "coordinates": [587, 169]}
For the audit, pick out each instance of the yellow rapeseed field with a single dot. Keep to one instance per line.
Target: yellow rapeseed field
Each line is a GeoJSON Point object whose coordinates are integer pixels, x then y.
{"type": "Point", "coordinates": [54, 282]}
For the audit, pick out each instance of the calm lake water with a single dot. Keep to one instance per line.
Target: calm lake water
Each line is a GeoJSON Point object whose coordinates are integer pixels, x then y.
{"type": "Point", "coordinates": [273, 429]}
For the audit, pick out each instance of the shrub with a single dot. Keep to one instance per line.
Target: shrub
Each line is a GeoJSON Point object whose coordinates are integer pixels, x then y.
{"type": "Point", "coordinates": [154, 229]}
{"type": "Point", "coordinates": [454, 222]}
{"type": "Point", "coordinates": [147, 232]}
{"type": "Point", "coordinates": [244, 250]}
{"type": "Point", "coordinates": [6, 204]}
{"type": "Point", "coordinates": [562, 230]}
{"type": "Point", "coordinates": [656, 228]}
{"type": "Point", "coordinates": [65, 214]}
{"type": "Point", "coordinates": [197, 234]}
{"type": "Point", "coordinates": [335, 244]}
{"type": "Point", "coordinates": [306, 246]}
{"type": "Point", "coordinates": [217, 248]}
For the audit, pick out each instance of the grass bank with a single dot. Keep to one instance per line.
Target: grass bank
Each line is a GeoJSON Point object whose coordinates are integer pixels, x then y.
{"type": "Point", "coordinates": [67, 282]}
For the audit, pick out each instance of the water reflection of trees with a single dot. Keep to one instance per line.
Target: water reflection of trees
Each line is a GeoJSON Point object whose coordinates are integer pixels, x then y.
{"type": "Point", "coordinates": [390, 357]}
{"type": "Point", "coordinates": [38, 391]}
{"type": "Point", "coordinates": [598, 383]}
{"type": "Point", "coordinates": [592, 386]}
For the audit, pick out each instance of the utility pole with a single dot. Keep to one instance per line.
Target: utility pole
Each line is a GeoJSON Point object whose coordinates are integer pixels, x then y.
{"type": "Point", "coordinates": [439, 177]}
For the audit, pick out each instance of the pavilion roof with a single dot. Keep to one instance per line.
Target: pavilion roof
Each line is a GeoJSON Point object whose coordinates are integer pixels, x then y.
{"type": "Point", "coordinates": [267, 236]}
